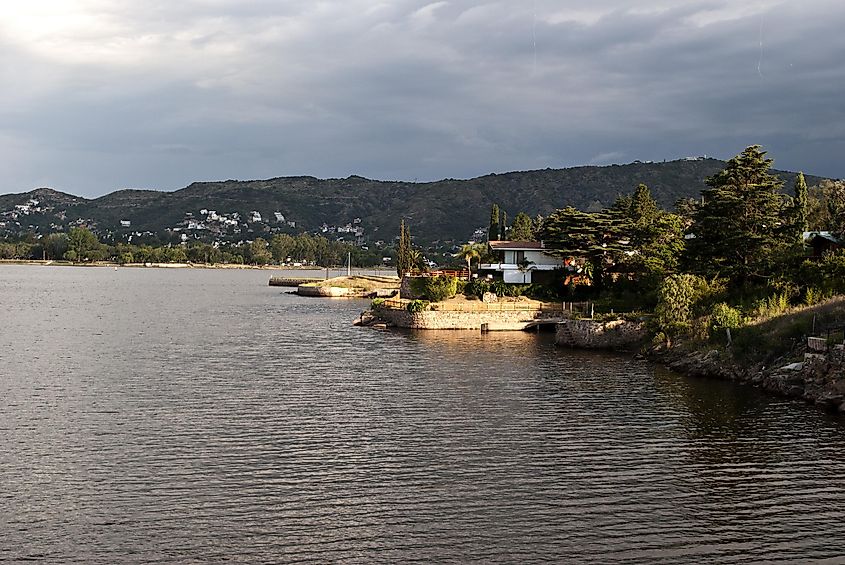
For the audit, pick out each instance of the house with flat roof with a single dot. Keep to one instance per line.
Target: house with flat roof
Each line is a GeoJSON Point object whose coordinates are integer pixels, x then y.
{"type": "Point", "coordinates": [521, 262]}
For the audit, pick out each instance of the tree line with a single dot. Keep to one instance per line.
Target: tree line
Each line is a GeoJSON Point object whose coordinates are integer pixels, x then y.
{"type": "Point", "coordinates": [81, 245]}
{"type": "Point", "coordinates": [739, 250]}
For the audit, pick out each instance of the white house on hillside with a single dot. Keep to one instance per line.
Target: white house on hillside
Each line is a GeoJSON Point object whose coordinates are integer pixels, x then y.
{"type": "Point", "coordinates": [521, 262]}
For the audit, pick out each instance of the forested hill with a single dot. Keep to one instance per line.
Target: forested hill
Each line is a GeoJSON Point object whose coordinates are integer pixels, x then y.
{"type": "Point", "coordinates": [449, 209]}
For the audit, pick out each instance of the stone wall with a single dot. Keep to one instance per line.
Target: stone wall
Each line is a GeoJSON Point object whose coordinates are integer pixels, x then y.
{"type": "Point", "coordinates": [592, 334]}
{"type": "Point", "coordinates": [818, 379]}
{"type": "Point", "coordinates": [324, 291]}
{"type": "Point", "coordinates": [447, 320]}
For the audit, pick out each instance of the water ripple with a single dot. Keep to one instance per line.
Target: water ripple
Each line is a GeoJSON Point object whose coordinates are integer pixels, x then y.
{"type": "Point", "coordinates": [156, 416]}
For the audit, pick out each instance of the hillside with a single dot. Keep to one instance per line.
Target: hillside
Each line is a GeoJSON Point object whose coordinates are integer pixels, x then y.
{"type": "Point", "coordinates": [448, 209]}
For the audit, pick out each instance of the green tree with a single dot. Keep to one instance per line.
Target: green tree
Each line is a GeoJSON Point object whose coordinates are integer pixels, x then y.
{"type": "Point", "coordinates": [175, 254]}
{"type": "Point", "coordinates": [404, 253]}
{"type": "Point", "coordinates": [599, 238]}
{"type": "Point", "coordinates": [800, 205]}
{"type": "Point", "coordinates": [826, 206]}
{"type": "Point", "coordinates": [281, 246]}
{"type": "Point", "coordinates": [522, 228]}
{"type": "Point", "coordinates": [259, 253]}
{"type": "Point", "coordinates": [656, 237]}
{"type": "Point", "coordinates": [493, 230]}
{"type": "Point", "coordinates": [644, 207]}
{"type": "Point", "coordinates": [83, 244]}
{"type": "Point", "coordinates": [54, 245]}
{"type": "Point", "coordinates": [739, 229]}
{"type": "Point", "coordinates": [680, 297]}
{"type": "Point", "coordinates": [503, 226]}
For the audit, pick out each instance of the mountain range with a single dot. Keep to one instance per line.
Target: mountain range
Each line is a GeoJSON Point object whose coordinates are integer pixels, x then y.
{"type": "Point", "coordinates": [445, 210]}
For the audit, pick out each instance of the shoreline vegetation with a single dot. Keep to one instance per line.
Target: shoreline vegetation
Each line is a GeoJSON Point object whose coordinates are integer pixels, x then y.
{"type": "Point", "coordinates": [746, 283]}
{"type": "Point", "coordinates": [797, 353]}
{"type": "Point", "coordinates": [186, 265]}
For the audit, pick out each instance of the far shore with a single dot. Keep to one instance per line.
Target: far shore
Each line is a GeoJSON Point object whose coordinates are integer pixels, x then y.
{"type": "Point", "coordinates": [112, 264]}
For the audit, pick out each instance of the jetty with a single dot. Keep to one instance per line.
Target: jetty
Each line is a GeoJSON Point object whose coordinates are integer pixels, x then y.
{"type": "Point", "coordinates": [355, 286]}
{"type": "Point", "coordinates": [293, 282]}
{"type": "Point", "coordinates": [461, 314]}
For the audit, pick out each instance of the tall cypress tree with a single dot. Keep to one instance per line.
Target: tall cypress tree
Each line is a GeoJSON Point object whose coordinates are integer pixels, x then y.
{"type": "Point", "coordinates": [409, 250]}
{"type": "Point", "coordinates": [401, 251]}
{"type": "Point", "coordinates": [504, 226]}
{"type": "Point", "coordinates": [493, 230]}
{"type": "Point", "coordinates": [800, 205]}
{"type": "Point", "coordinates": [404, 252]}
{"type": "Point", "coordinates": [741, 228]}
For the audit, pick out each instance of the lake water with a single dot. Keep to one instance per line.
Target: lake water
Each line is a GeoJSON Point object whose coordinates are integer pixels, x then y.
{"type": "Point", "coordinates": [200, 416]}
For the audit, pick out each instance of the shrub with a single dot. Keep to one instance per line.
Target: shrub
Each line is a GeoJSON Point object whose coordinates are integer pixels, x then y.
{"type": "Point", "coordinates": [814, 296]}
{"type": "Point", "coordinates": [415, 306]}
{"type": "Point", "coordinates": [435, 289]}
{"type": "Point", "coordinates": [460, 286]}
{"type": "Point", "coordinates": [501, 288]}
{"type": "Point", "coordinates": [724, 317]}
{"type": "Point", "coordinates": [377, 303]}
{"type": "Point", "coordinates": [476, 287]}
{"type": "Point", "coordinates": [681, 298]}
{"type": "Point", "coordinates": [774, 305]}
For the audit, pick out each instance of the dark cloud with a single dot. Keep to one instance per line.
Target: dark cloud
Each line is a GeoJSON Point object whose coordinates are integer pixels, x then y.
{"type": "Point", "coordinates": [107, 94]}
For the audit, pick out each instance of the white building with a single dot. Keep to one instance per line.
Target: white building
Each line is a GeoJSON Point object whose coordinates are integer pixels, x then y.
{"type": "Point", "coordinates": [521, 262]}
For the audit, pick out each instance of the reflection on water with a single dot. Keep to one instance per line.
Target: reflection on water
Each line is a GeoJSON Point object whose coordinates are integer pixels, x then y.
{"type": "Point", "coordinates": [201, 416]}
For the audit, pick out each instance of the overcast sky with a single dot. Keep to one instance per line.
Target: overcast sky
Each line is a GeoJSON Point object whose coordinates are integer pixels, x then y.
{"type": "Point", "coordinates": [105, 94]}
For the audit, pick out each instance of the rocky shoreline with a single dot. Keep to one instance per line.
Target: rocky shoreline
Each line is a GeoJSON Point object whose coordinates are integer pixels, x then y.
{"type": "Point", "coordinates": [819, 379]}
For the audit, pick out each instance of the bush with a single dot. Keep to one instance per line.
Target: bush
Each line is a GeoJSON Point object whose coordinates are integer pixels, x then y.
{"type": "Point", "coordinates": [415, 306]}
{"type": "Point", "coordinates": [681, 298]}
{"type": "Point", "coordinates": [435, 289]}
{"type": "Point", "coordinates": [460, 286]}
{"type": "Point", "coordinates": [377, 303]}
{"type": "Point", "coordinates": [476, 287]}
{"type": "Point", "coordinates": [813, 296]}
{"type": "Point", "coordinates": [774, 305]}
{"type": "Point", "coordinates": [501, 288]}
{"type": "Point", "coordinates": [724, 317]}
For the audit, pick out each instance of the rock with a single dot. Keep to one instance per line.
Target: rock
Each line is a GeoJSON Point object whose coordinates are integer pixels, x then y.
{"type": "Point", "coordinates": [488, 297]}
{"type": "Point", "coordinates": [711, 356]}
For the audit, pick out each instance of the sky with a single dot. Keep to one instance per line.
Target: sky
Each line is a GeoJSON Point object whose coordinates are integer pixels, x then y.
{"type": "Point", "coordinates": [100, 95]}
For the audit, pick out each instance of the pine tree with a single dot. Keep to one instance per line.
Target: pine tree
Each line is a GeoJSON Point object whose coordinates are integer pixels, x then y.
{"type": "Point", "coordinates": [656, 237]}
{"type": "Point", "coordinates": [643, 207]}
{"type": "Point", "coordinates": [739, 228]}
{"type": "Point", "coordinates": [493, 231]}
{"type": "Point", "coordinates": [800, 205]}
{"type": "Point", "coordinates": [522, 228]}
{"type": "Point", "coordinates": [597, 238]}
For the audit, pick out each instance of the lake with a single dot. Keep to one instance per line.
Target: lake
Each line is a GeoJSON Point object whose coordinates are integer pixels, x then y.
{"type": "Point", "coordinates": [200, 416]}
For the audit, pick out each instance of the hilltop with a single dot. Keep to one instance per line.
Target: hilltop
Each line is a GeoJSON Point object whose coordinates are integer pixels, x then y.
{"type": "Point", "coordinates": [448, 209]}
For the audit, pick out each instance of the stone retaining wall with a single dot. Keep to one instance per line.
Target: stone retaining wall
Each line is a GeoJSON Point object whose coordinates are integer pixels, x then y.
{"type": "Point", "coordinates": [592, 334]}
{"type": "Point", "coordinates": [447, 320]}
{"type": "Point", "coordinates": [324, 291]}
